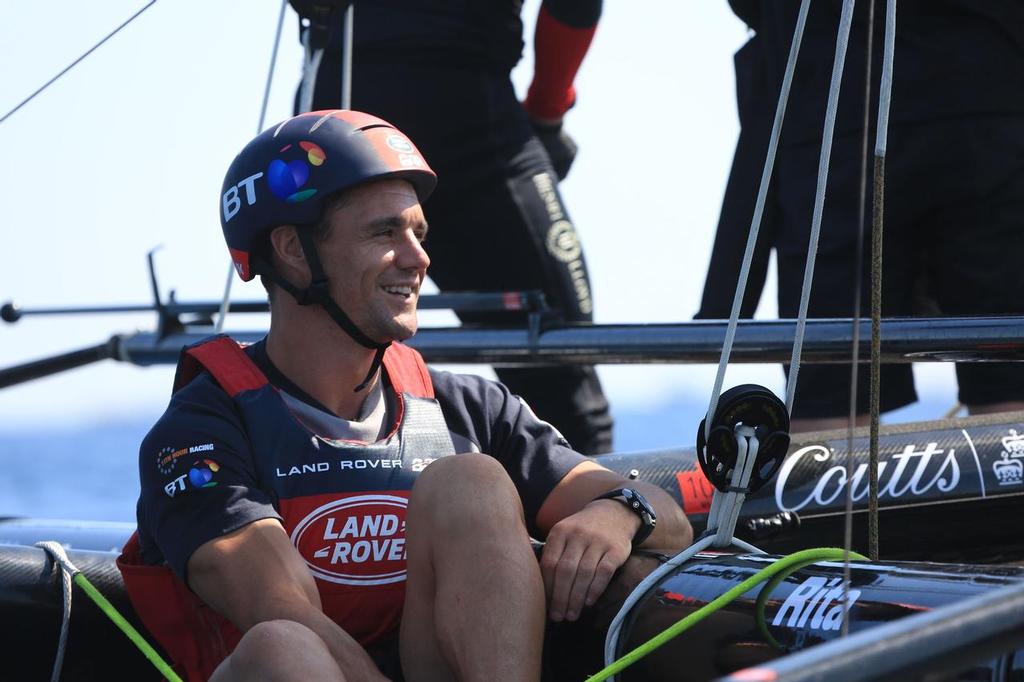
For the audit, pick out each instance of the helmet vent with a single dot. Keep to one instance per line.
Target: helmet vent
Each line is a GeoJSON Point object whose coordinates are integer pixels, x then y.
{"type": "Point", "coordinates": [320, 121]}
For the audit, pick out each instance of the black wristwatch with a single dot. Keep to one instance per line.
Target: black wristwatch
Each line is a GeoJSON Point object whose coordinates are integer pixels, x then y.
{"type": "Point", "coordinates": [637, 504]}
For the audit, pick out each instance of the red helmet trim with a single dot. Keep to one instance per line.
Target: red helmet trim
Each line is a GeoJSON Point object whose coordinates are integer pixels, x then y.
{"type": "Point", "coordinates": [241, 260]}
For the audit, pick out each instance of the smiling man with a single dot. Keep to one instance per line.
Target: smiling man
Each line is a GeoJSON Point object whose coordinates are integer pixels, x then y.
{"type": "Point", "coordinates": [321, 505]}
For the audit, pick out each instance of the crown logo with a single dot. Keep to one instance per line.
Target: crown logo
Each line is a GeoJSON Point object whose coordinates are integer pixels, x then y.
{"type": "Point", "coordinates": [1010, 471]}
{"type": "Point", "coordinates": [1013, 444]}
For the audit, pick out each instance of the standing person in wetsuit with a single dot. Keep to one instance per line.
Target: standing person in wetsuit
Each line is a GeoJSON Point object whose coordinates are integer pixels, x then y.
{"type": "Point", "coordinates": [440, 71]}
{"type": "Point", "coordinates": [954, 196]}
{"type": "Point", "coordinates": [304, 513]}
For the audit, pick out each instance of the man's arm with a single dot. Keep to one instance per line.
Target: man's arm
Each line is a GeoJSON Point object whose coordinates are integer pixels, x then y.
{"type": "Point", "coordinates": [563, 34]}
{"type": "Point", "coordinates": [588, 540]}
{"type": "Point", "coordinates": [254, 575]}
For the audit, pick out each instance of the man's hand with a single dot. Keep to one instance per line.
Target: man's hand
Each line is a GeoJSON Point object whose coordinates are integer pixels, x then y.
{"type": "Point", "coordinates": [588, 539]}
{"type": "Point", "coordinates": [560, 147]}
{"type": "Point", "coordinates": [582, 553]}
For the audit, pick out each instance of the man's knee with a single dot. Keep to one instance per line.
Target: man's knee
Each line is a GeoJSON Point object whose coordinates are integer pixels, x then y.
{"type": "Point", "coordinates": [277, 650]}
{"type": "Point", "coordinates": [465, 487]}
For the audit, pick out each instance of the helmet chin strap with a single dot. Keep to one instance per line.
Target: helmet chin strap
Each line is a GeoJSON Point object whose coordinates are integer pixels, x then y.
{"type": "Point", "coordinates": [318, 293]}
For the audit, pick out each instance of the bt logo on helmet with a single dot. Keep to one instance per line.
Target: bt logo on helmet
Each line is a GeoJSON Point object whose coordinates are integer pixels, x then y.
{"type": "Point", "coordinates": [230, 202]}
{"type": "Point", "coordinates": [285, 179]}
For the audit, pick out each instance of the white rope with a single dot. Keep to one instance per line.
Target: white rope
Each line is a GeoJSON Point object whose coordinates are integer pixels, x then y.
{"type": "Point", "coordinates": [721, 524]}
{"type": "Point", "coordinates": [724, 511]}
{"type": "Point", "coordinates": [225, 301]}
{"type": "Point", "coordinates": [346, 56]}
{"type": "Point", "coordinates": [310, 67]}
{"type": "Point", "coordinates": [885, 92]}
{"type": "Point", "coordinates": [755, 223]}
{"type": "Point", "coordinates": [733, 499]}
{"type": "Point", "coordinates": [842, 41]}
{"type": "Point", "coordinates": [67, 572]}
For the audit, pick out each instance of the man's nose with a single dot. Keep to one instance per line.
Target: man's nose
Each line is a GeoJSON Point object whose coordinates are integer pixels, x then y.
{"type": "Point", "coordinates": [411, 254]}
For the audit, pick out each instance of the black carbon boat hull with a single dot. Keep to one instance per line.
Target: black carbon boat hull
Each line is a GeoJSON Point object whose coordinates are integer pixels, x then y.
{"type": "Point", "coordinates": [802, 609]}
{"type": "Point", "coordinates": [948, 490]}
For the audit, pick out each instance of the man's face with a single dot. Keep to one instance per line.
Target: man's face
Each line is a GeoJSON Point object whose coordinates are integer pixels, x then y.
{"type": "Point", "coordinates": [374, 258]}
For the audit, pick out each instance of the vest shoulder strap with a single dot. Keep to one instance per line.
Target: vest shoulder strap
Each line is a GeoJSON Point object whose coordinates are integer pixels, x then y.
{"type": "Point", "coordinates": [225, 360]}
{"type": "Point", "coordinates": [407, 371]}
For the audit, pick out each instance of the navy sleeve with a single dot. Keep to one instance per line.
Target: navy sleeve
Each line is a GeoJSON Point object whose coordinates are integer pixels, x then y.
{"type": "Point", "coordinates": [197, 477]}
{"type": "Point", "coordinates": [502, 425]}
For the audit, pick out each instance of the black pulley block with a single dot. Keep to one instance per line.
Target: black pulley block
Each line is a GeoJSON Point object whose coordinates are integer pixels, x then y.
{"type": "Point", "coordinates": [754, 406]}
{"type": "Point", "coordinates": [323, 17]}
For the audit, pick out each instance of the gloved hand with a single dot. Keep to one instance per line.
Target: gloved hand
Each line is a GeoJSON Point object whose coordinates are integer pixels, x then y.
{"type": "Point", "coordinates": [560, 147]}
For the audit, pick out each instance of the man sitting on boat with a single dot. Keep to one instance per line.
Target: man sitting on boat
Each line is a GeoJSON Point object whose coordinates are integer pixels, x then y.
{"type": "Point", "coordinates": [278, 485]}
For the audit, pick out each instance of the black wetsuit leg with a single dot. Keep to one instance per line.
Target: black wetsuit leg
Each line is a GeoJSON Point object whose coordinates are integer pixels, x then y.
{"type": "Point", "coordinates": [496, 219]}
{"type": "Point", "coordinates": [973, 236]}
{"type": "Point", "coordinates": [952, 226]}
{"type": "Point", "coordinates": [529, 244]}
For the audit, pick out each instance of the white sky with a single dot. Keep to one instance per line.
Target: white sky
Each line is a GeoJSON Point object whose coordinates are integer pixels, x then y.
{"type": "Point", "coordinates": [128, 151]}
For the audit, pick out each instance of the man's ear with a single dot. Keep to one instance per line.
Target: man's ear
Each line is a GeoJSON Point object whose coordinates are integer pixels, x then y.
{"type": "Point", "coordinates": [286, 251]}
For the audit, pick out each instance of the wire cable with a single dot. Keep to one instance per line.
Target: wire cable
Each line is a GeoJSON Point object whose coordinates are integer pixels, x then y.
{"type": "Point", "coordinates": [842, 41]}
{"type": "Point", "coordinates": [226, 300]}
{"type": "Point", "coordinates": [755, 223]}
{"type": "Point", "coordinates": [75, 63]}
{"type": "Point", "coordinates": [310, 68]}
{"type": "Point", "coordinates": [858, 264]}
{"type": "Point", "coordinates": [347, 25]}
{"type": "Point", "coordinates": [878, 202]}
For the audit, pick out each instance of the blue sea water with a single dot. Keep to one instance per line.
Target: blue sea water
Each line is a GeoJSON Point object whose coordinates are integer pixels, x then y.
{"type": "Point", "coordinates": [91, 472]}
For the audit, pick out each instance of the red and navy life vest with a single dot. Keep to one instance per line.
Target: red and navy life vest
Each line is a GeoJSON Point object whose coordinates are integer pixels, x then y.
{"type": "Point", "coordinates": [343, 505]}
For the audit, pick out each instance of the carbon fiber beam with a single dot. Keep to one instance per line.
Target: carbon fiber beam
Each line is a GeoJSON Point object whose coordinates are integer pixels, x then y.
{"type": "Point", "coordinates": [971, 339]}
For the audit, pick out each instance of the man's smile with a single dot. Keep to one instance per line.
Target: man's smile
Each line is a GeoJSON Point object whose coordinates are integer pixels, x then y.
{"type": "Point", "coordinates": [403, 290]}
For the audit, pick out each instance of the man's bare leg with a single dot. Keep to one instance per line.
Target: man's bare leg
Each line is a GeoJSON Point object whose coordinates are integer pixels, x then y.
{"type": "Point", "coordinates": [279, 651]}
{"type": "Point", "coordinates": [474, 606]}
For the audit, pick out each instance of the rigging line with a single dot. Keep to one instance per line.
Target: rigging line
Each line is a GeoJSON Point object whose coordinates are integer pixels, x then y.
{"type": "Point", "coordinates": [842, 41]}
{"type": "Point", "coordinates": [225, 302]}
{"type": "Point", "coordinates": [858, 263]}
{"type": "Point", "coordinates": [878, 201]}
{"type": "Point", "coordinates": [346, 58]}
{"type": "Point", "coordinates": [310, 68]}
{"type": "Point", "coordinates": [755, 223]}
{"type": "Point", "coordinates": [75, 63]}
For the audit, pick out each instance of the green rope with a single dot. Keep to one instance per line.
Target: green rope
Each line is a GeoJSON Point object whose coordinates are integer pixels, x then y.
{"type": "Point", "coordinates": [766, 593]}
{"type": "Point", "coordinates": [762, 601]}
{"type": "Point", "coordinates": [803, 557]}
{"type": "Point", "coordinates": [126, 627]}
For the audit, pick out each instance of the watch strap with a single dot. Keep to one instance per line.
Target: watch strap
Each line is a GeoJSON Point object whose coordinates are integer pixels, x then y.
{"type": "Point", "coordinates": [637, 504]}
